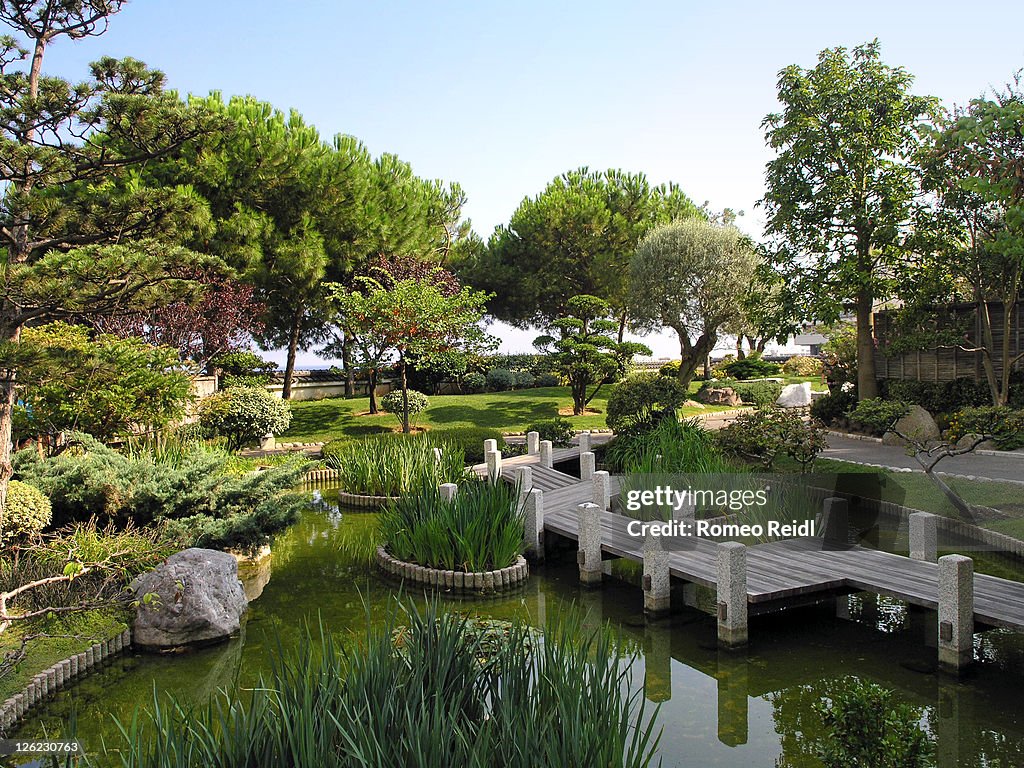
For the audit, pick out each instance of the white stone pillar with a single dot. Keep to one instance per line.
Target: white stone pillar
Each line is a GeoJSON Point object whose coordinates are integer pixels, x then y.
{"type": "Point", "coordinates": [533, 523]}
{"type": "Point", "coordinates": [493, 461]}
{"type": "Point", "coordinates": [268, 442]}
{"type": "Point", "coordinates": [956, 612]}
{"type": "Point", "coordinates": [603, 490]}
{"type": "Point", "coordinates": [533, 442]}
{"type": "Point", "coordinates": [924, 537]}
{"type": "Point", "coordinates": [588, 465]}
{"type": "Point", "coordinates": [585, 442]}
{"type": "Point", "coordinates": [525, 477]}
{"type": "Point", "coordinates": [547, 458]}
{"type": "Point", "coordinates": [438, 455]}
{"type": "Point", "coordinates": [448, 491]}
{"type": "Point", "coordinates": [732, 594]}
{"type": "Point", "coordinates": [656, 581]}
{"type": "Point", "coordinates": [490, 445]}
{"type": "Point", "coordinates": [589, 539]}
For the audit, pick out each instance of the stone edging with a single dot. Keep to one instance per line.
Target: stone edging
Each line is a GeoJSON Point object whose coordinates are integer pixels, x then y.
{"type": "Point", "coordinates": [360, 501]}
{"type": "Point", "coordinates": [457, 581]}
{"type": "Point", "coordinates": [1004, 454]}
{"type": "Point", "coordinates": [58, 676]}
{"type": "Point", "coordinates": [853, 436]}
{"type": "Point", "coordinates": [320, 475]}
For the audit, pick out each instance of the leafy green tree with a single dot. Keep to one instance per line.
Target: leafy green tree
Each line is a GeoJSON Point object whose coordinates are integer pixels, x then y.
{"type": "Point", "coordinates": [844, 197]}
{"type": "Point", "coordinates": [105, 386]}
{"type": "Point", "coordinates": [586, 351]}
{"type": "Point", "coordinates": [691, 276]}
{"type": "Point", "coordinates": [575, 238]}
{"type": "Point", "coordinates": [90, 139]}
{"type": "Point", "coordinates": [412, 317]}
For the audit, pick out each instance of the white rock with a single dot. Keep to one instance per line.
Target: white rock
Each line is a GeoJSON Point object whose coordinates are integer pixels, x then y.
{"type": "Point", "coordinates": [795, 396]}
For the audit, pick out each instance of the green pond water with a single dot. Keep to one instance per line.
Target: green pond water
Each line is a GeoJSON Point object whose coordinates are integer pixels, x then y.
{"type": "Point", "coordinates": [728, 709]}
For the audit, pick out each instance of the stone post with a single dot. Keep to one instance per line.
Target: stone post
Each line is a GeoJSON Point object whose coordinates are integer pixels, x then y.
{"type": "Point", "coordinates": [490, 445]}
{"type": "Point", "coordinates": [956, 612]}
{"type": "Point", "coordinates": [448, 491]}
{"type": "Point", "coordinates": [547, 458]}
{"type": "Point", "coordinates": [533, 443]}
{"type": "Point", "coordinates": [525, 477]}
{"type": "Point", "coordinates": [267, 442]}
{"type": "Point", "coordinates": [732, 594]}
{"type": "Point", "coordinates": [924, 538]}
{"type": "Point", "coordinates": [588, 465]}
{"type": "Point", "coordinates": [493, 461]}
{"type": "Point", "coordinates": [656, 580]}
{"type": "Point", "coordinates": [438, 455]}
{"type": "Point", "coordinates": [603, 490]}
{"type": "Point", "coordinates": [835, 522]}
{"type": "Point", "coordinates": [589, 538]}
{"type": "Point", "coordinates": [585, 442]}
{"type": "Point", "coordinates": [533, 523]}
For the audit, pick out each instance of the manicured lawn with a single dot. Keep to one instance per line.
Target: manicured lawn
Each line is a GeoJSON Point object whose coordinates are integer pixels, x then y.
{"type": "Point", "coordinates": [322, 420]}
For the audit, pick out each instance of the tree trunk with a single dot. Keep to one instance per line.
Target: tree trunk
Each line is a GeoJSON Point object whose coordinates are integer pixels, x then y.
{"type": "Point", "coordinates": [692, 354]}
{"type": "Point", "coordinates": [622, 325]}
{"type": "Point", "coordinates": [347, 339]}
{"type": "Point", "coordinates": [740, 354]}
{"type": "Point", "coordinates": [293, 348]}
{"type": "Point", "coordinates": [405, 395]}
{"type": "Point", "coordinates": [372, 383]}
{"type": "Point", "coordinates": [867, 382]}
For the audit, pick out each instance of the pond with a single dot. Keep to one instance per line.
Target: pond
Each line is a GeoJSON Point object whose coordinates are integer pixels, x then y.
{"type": "Point", "coordinates": [727, 709]}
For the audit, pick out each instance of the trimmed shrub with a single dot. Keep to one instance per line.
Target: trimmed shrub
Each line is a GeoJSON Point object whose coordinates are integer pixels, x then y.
{"type": "Point", "coordinates": [670, 369]}
{"type": "Point", "coordinates": [1004, 425]}
{"type": "Point", "coordinates": [243, 415]}
{"type": "Point", "coordinates": [558, 430]}
{"type": "Point", "coordinates": [643, 398]}
{"type": "Point", "coordinates": [877, 415]}
{"type": "Point", "coordinates": [751, 368]}
{"type": "Point", "coordinates": [546, 380]}
{"type": "Point", "coordinates": [470, 440]}
{"type": "Point", "coordinates": [27, 511]}
{"type": "Point", "coordinates": [938, 396]}
{"type": "Point", "coordinates": [833, 406]}
{"type": "Point", "coordinates": [800, 365]}
{"type": "Point", "coordinates": [393, 403]}
{"type": "Point", "coordinates": [765, 434]}
{"type": "Point", "coordinates": [523, 380]}
{"type": "Point", "coordinates": [474, 383]}
{"type": "Point", "coordinates": [500, 380]}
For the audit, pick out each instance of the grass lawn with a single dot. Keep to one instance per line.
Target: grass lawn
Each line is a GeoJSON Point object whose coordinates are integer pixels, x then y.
{"type": "Point", "coordinates": [322, 420]}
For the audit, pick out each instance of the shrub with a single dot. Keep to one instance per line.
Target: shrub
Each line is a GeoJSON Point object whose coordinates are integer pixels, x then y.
{"type": "Point", "coordinates": [500, 380]}
{"type": "Point", "coordinates": [671, 368]}
{"type": "Point", "coordinates": [834, 406]}
{"type": "Point", "coordinates": [800, 365]}
{"type": "Point", "coordinates": [393, 403]}
{"type": "Point", "coordinates": [547, 380]}
{"type": "Point", "coordinates": [643, 398]}
{"type": "Point", "coordinates": [390, 465]}
{"type": "Point", "coordinates": [558, 430]}
{"type": "Point", "coordinates": [763, 394]}
{"type": "Point", "coordinates": [470, 440]}
{"type": "Point", "coordinates": [839, 365]}
{"type": "Point", "coordinates": [751, 368]}
{"type": "Point", "coordinates": [523, 380]}
{"type": "Point", "coordinates": [244, 415]}
{"type": "Point", "coordinates": [243, 368]}
{"type": "Point", "coordinates": [877, 415]}
{"type": "Point", "coordinates": [474, 383]}
{"type": "Point", "coordinates": [27, 511]}
{"type": "Point", "coordinates": [682, 447]}
{"type": "Point", "coordinates": [480, 529]}
{"type": "Point", "coordinates": [938, 396]}
{"type": "Point", "coordinates": [1004, 425]}
{"type": "Point", "coordinates": [765, 434]}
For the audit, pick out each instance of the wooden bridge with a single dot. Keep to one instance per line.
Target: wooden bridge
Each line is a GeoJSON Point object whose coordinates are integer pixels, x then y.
{"type": "Point", "coordinates": [761, 578]}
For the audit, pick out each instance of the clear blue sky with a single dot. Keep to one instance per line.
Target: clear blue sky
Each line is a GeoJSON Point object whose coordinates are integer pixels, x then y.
{"type": "Point", "coordinates": [504, 97]}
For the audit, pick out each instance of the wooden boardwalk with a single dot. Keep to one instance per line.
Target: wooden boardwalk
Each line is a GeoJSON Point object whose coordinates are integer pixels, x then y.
{"type": "Point", "coordinates": [777, 572]}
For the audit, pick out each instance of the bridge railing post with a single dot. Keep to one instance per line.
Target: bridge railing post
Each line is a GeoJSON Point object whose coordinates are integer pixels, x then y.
{"type": "Point", "coordinates": [956, 612]}
{"type": "Point", "coordinates": [525, 478]}
{"type": "Point", "coordinates": [656, 580]}
{"type": "Point", "coordinates": [732, 594]}
{"type": "Point", "coordinates": [533, 443]}
{"type": "Point", "coordinates": [588, 465]}
{"type": "Point", "coordinates": [585, 442]}
{"type": "Point", "coordinates": [493, 460]}
{"type": "Point", "coordinates": [448, 491]}
{"type": "Point", "coordinates": [588, 536]}
{"type": "Point", "coordinates": [490, 445]}
{"type": "Point", "coordinates": [533, 523]}
{"type": "Point", "coordinates": [547, 457]}
{"type": "Point", "coordinates": [924, 537]}
{"type": "Point", "coordinates": [603, 490]}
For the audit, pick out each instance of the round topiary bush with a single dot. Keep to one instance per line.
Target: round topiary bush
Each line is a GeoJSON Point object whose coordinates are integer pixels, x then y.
{"type": "Point", "coordinates": [800, 365]}
{"type": "Point", "coordinates": [474, 383]}
{"type": "Point", "coordinates": [27, 511]}
{"type": "Point", "coordinates": [244, 415]}
{"type": "Point", "coordinates": [546, 380]}
{"type": "Point", "coordinates": [524, 380]}
{"type": "Point", "coordinates": [500, 379]}
{"type": "Point", "coordinates": [393, 402]}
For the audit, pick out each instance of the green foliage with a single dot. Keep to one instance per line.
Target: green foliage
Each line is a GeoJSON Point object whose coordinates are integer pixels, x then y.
{"type": "Point", "coordinates": [470, 441]}
{"type": "Point", "coordinates": [441, 692]}
{"type": "Point", "coordinates": [865, 728]}
{"type": "Point", "coordinates": [481, 529]}
{"type": "Point", "coordinates": [500, 380]}
{"type": "Point", "coordinates": [840, 356]}
{"type": "Point", "coordinates": [878, 415]}
{"type": "Point", "coordinates": [765, 434]}
{"type": "Point", "coordinates": [800, 365]}
{"type": "Point", "coordinates": [691, 276]}
{"type": "Point", "coordinates": [405, 405]}
{"type": "Point", "coordinates": [524, 380]}
{"type": "Point", "coordinates": [644, 398]}
{"type": "Point", "coordinates": [391, 465]}
{"type": "Point", "coordinates": [243, 368]}
{"type": "Point", "coordinates": [191, 493]}
{"type": "Point", "coordinates": [938, 396]}
{"type": "Point", "coordinates": [244, 415]}
{"type": "Point", "coordinates": [833, 406]}
{"type": "Point", "coordinates": [671, 368]}
{"type": "Point", "coordinates": [547, 380]}
{"type": "Point", "coordinates": [558, 430]}
{"type": "Point", "coordinates": [104, 386]}
{"type": "Point", "coordinates": [682, 447]}
{"type": "Point", "coordinates": [751, 367]}
{"type": "Point", "coordinates": [763, 394]}
{"type": "Point", "coordinates": [27, 511]}
{"type": "Point", "coordinates": [474, 383]}
{"type": "Point", "coordinates": [585, 353]}
{"type": "Point", "coordinates": [1003, 425]}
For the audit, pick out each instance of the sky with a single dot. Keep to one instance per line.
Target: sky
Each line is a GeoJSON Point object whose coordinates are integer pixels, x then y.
{"type": "Point", "coordinates": [502, 98]}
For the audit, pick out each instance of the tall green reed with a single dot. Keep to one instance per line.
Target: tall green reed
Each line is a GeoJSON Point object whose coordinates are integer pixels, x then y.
{"type": "Point", "coordinates": [392, 465]}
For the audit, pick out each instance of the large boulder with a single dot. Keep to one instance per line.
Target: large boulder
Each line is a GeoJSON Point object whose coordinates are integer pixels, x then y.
{"type": "Point", "coordinates": [719, 396]}
{"type": "Point", "coordinates": [198, 600]}
{"type": "Point", "coordinates": [795, 396]}
{"type": "Point", "coordinates": [918, 425]}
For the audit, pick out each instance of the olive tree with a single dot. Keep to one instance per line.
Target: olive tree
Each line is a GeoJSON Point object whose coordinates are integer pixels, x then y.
{"type": "Point", "coordinates": [691, 276]}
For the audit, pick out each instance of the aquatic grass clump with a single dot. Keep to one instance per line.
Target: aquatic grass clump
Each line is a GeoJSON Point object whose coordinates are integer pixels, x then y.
{"type": "Point", "coordinates": [668, 446]}
{"type": "Point", "coordinates": [481, 529]}
{"type": "Point", "coordinates": [392, 465]}
{"type": "Point", "coordinates": [427, 692]}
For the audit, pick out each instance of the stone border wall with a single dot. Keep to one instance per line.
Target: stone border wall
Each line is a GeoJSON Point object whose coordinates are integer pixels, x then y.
{"type": "Point", "coordinates": [58, 676]}
{"type": "Point", "coordinates": [359, 501]}
{"type": "Point", "coordinates": [457, 581]}
{"type": "Point", "coordinates": [319, 476]}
